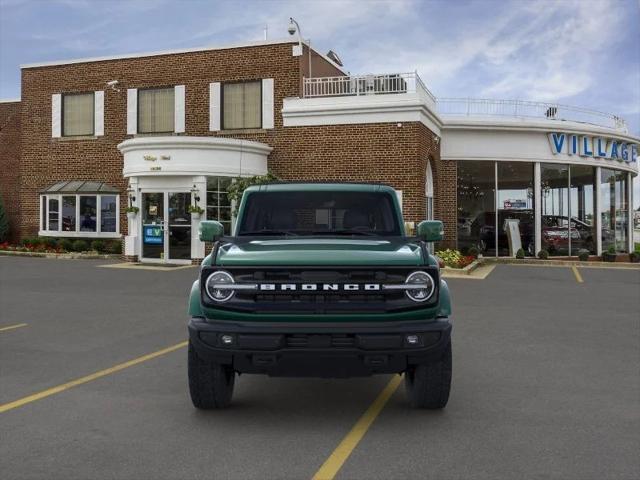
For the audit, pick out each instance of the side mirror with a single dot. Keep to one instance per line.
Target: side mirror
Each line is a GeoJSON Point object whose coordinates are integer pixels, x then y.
{"type": "Point", "coordinates": [430, 230]}
{"type": "Point", "coordinates": [210, 231]}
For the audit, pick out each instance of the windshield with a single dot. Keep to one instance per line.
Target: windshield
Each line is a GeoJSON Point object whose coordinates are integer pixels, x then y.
{"type": "Point", "coordinates": [319, 213]}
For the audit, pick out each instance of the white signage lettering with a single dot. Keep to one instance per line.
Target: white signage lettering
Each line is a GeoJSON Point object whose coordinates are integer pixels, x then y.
{"type": "Point", "coordinates": [596, 147]}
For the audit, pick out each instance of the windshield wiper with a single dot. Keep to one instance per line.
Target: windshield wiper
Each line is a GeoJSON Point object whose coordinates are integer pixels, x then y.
{"type": "Point", "coordinates": [268, 232]}
{"type": "Point", "coordinates": [346, 232]}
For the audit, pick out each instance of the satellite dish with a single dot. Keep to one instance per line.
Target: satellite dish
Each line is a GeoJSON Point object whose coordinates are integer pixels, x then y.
{"type": "Point", "coordinates": [333, 56]}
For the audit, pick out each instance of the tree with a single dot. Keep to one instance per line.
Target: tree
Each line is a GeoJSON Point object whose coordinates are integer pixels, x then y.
{"type": "Point", "coordinates": [4, 223]}
{"type": "Point", "coordinates": [240, 184]}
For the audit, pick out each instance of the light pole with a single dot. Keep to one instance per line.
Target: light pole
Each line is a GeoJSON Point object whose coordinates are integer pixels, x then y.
{"type": "Point", "coordinates": [293, 28]}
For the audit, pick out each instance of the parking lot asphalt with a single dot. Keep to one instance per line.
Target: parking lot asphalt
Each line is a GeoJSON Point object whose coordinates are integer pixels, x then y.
{"type": "Point", "coordinates": [546, 384]}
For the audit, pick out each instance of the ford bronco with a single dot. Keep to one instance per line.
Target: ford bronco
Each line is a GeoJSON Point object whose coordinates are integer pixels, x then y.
{"type": "Point", "coordinates": [319, 280]}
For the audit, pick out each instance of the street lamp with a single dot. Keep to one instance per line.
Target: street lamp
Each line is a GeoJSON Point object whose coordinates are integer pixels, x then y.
{"type": "Point", "coordinates": [292, 29]}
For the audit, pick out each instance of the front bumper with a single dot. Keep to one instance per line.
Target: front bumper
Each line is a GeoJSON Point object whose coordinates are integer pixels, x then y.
{"type": "Point", "coordinates": [333, 350]}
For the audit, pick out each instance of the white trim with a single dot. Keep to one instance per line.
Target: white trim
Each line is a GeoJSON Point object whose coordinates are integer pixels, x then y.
{"type": "Point", "coordinates": [56, 115]}
{"type": "Point", "coordinates": [267, 103]}
{"type": "Point", "coordinates": [396, 108]}
{"type": "Point", "coordinates": [132, 111]}
{"type": "Point", "coordinates": [214, 107]}
{"type": "Point", "coordinates": [61, 234]}
{"type": "Point", "coordinates": [218, 143]}
{"type": "Point", "coordinates": [179, 108]}
{"type": "Point", "coordinates": [598, 199]}
{"type": "Point", "coordinates": [157, 53]}
{"type": "Point", "coordinates": [77, 233]}
{"type": "Point", "coordinates": [10, 100]}
{"type": "Point", "coordinates": [98, 113]}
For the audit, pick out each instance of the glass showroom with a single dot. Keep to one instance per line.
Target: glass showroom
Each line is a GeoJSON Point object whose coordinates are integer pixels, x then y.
{"type": "Point", "coordinates": [568, 199]}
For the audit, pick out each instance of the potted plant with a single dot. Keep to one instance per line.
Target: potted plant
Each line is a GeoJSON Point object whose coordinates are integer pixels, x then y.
{"type": "Point", "coordinates": [195, 211]}
{"type": "Point", "coordinates": [610, 255]}
{"type": "Point", "coordinates": [131, 212]}
{"type": "Point", "coordinates": [635, 255]}
{"type": "Point", "coordinates": [583, 255]}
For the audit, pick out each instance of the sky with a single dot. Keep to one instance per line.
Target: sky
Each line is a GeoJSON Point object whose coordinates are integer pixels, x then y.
{"type": "Point", "coordinates": [577, 52]}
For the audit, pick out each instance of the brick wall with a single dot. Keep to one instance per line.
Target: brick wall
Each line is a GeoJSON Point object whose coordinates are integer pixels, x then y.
{"type": "Point", "coordinates": [369, 152]}
{"type": "Point", "coordinates": [10, 162]}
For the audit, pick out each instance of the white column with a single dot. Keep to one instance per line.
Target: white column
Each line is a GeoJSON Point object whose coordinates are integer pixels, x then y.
{"type": "Point", "coordinates": [598, 218]}
{"type": "Point", "coordinates": [537, 188]}
{"type": "Point", "coordinates": [132, 241]}
{"type": "Point", "coordinates": [630, 211]}
{"type": "Point", "coordinates": [197, 247]}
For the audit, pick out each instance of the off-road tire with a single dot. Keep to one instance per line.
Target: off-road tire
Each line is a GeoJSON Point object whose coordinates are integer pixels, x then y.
{"type": "Point", "coordinates": [210, 383]}
{"type": "Point", "coordinates": [428, 385]}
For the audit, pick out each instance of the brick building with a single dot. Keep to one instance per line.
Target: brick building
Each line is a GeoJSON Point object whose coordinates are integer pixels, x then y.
{"type": "Point", "coordinates": [166, 130]}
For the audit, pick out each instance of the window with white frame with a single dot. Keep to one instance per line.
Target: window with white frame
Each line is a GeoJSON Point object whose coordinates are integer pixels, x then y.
{"type": "Point", "coordinates": [156, 112]}
{"type": "Point", "coordinates": [242, 105]}
{"type": "Point", "coordinates": [72, 209]}
{"type": "Point", "coordinates": [218, 203]}
{"type": "Point", "coordinates": [78, 114]}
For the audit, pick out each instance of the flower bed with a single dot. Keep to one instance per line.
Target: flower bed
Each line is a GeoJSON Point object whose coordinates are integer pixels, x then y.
{"type": "Point", "coordinates": [63, 245]}
{"type": "Point", "coordinates": [454, 259]}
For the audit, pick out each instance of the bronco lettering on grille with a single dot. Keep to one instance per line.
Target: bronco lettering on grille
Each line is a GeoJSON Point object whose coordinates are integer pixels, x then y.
{"type": "Point", "coordinates": [313, 287]}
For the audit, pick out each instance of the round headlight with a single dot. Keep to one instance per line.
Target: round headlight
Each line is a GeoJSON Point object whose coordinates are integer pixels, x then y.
{"type": "Point", "coordinates": [425, 283]}
{"type": "Point", "coordinates": [215, 286]}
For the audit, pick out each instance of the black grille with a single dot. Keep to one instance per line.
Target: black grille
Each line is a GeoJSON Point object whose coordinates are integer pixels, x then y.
{"type": "Point", "coordinates": [320, 341]}
{"type": "Point", "coordinates": [318, 302]}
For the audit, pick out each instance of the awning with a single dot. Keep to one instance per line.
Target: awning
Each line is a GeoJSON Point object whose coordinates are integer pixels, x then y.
{"type": "Point", "coordinates": [80, 186]}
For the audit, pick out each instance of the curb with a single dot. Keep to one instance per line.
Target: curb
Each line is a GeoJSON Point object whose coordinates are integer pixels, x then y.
{"type": "Point", "coordinates": [562, 263]}
{"type": "Point", "coordinates": [63, 256]}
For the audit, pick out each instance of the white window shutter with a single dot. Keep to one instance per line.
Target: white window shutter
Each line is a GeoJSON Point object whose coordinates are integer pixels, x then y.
{"type": "Point", "coordinates": [98, 113]}
{"type": "Point", "coordinates": [178, 110]}
{"type": "Point", "coordinates": [267, 103]}
{"type": "Point", "coordinates": [56, 115]}
{"type": "Point", "coordinates": [214, 107]}
{"type": "Point", "coordinates": [132, 111]}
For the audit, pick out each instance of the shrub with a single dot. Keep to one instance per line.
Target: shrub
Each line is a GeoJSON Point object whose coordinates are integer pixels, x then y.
{"type": "Point", "coordinates": [48, 242]}
{"type": "Point", "coordinates": [115, 247]}
{"type": "Point", "coordinates": [465, 261]}
{"type": "Point", "coordinates": [520, 253]}
{"type": "Point", "coordinates": [543, 254]}
{"type": "Point", "coordinates": [473, 251]}
{"type": "Point", "coordinates": [611, 250]}
{"type": "Point", "coordinates": [80, 246]}
{"type": "Point", "coordinates": [583, 255]}
{"type": "Point", "coordinates": [33, 241]}
{"type": "Point", "coordinates": [98, 245]}
{"type": "Point", "coordinates": [65, 244]}
{"type": "Point", "coordinates": [4, 223]}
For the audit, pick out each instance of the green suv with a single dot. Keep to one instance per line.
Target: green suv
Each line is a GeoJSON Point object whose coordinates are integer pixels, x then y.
{"type": "Point", "coordinates": [320, 279]}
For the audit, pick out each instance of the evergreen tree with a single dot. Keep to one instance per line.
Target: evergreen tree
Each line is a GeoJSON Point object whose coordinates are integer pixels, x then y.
{"type": "Point", "coordinates": [4, 223]}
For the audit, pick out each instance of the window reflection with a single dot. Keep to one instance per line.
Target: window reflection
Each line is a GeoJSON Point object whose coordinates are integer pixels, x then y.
{"type": "Point", "coordinates": [87, 214]}
{"type": "Point", "coordinates": [516, 206]}
{"type": "Point", "coordinates": [614, 211]}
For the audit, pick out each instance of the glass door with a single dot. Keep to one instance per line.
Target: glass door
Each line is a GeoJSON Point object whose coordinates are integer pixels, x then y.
{"type": "Point", "coordinates": [153, 215]}
{"type": "Point", "coordinates": [179, 226]}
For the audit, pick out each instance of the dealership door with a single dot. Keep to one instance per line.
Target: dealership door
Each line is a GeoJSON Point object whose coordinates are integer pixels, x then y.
{"type": "Point", "coordinates": [166, 227]}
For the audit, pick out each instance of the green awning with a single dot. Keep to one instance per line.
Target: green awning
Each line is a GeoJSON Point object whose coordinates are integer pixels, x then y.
{"type": "Point", "coordinates": [80, 186]}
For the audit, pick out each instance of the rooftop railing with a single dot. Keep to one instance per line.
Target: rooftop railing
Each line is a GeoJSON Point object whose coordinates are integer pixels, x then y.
{"type": "Point", "coordinates": [526, 109]}
{"type": "Point", "coordinates": [356, 85]}
{"type": "Point", "coordinates": [399, 83]}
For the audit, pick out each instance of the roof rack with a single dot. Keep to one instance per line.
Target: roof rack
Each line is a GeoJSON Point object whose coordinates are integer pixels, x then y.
{"type": "Point", "coordinates": [348, 182]}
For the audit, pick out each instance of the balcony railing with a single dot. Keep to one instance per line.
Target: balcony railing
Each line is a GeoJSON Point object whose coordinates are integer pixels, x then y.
{"type": "Point", "coordinates": [522, 108]}
{"type": "Point", "coordinates": [356, 85]}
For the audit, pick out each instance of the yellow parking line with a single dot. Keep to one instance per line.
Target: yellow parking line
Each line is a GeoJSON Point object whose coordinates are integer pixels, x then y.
{"type": "Point", "coordinates": [94, 376]}
{"type": "Point", "coordinates": [576, 273]}
{"type": "Point", "coordinates": [11, 327]}
{"type": "Point", "coordinates": [332, 465]}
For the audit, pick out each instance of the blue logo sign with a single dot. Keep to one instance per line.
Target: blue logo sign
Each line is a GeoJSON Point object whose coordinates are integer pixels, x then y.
{"type": "Point", "coordinates": [152, 234]}
{"type": "Point", "coordinates": [597, 147]}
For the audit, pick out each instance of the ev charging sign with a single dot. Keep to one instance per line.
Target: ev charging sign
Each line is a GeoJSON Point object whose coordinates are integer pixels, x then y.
{"type": "Point", "coordinates": [595, 147]}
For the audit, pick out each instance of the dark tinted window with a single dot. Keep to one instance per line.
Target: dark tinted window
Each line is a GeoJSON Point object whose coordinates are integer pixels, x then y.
{"type": "Point", "coordinates": [319, 213]}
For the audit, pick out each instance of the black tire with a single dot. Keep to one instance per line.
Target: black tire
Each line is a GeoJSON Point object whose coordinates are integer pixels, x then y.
{"type": "Point", "coordinates": [428, 385]}
{"type": "Point", "coordinates": [210, 383]}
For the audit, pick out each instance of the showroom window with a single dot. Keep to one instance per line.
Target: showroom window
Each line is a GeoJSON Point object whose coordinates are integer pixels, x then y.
{"type": "Point", "coordinates": [515, 206]}
{"type": "Point", "coordinates": [156, 110]}
{"type": "Point", "coordinates": [78, 114]}
{"type": "Point", "coordinates": [614, 210]}
{"type": "Point", "coordinates": [218, 203]}
{"type": "Point", "coordinates": [79, 209]}
{"type": "Point", "coordinates": [477, 206]}
{"type": "Point", "coordinates": [242, 105]}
